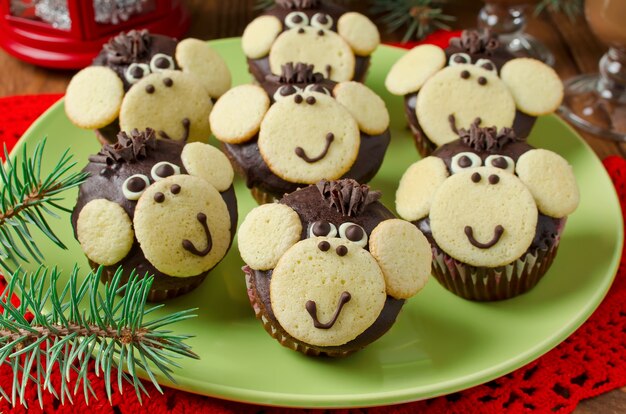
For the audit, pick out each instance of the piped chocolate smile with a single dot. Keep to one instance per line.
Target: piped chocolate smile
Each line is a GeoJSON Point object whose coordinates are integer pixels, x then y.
{"type": "Point", "coordinates": [497, 233]}
{"type": "Point", "coordinates": [330, 137]}
{"type": "Point", "coordinates": [186, 126]}
{"type": "Point", "coordinates": [311, 307]}
{"type": "Point", "coordinates": [191, 248]}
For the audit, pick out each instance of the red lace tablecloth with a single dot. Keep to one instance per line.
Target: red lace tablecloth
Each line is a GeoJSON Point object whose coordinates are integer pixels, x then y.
{"type": "Point", "coordinates": [590, 362]}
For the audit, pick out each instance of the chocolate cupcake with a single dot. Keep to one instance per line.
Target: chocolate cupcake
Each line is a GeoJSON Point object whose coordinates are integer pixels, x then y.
{"type": "Point", "coordinates": [335, 41]}
{"type": "Point", "coordinates": [475, 79]}
{"type": "Point", "coordinates": [329, 268]}
{"type": "Point", "coordinates": [158, 207]}
{"type": "Point", "coordinates": [300, 129]}
{"type": "Point", "coordinates": [493, 208]}
{"type": "Point", "coordinates": [142, 80]}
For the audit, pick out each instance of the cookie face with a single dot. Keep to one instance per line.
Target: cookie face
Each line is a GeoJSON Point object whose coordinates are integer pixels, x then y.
{"type": "Point", "coordinates": [180, 226]}
{"type": "Point", "coordinates": [160, 206]}
{"type": "Point", "coordinates": [149, 81]}
{"type": "Point", "coordinates": [332, 296]}
{"type": "Point", "coordinates": [314, 32]}
{"type": "Point", "coordinates": [325, 50]}
{"type": "Point", "coordinates": [495, 223]}
{"type": "Point", "coordinates": [172, 103]}
{"type": "Point", "coordinates": [307, 137]}
{"type": "Point", "coordinates": [457, 96]}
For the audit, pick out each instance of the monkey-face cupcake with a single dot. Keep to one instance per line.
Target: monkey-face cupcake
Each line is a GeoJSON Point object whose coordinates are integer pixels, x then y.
{"type": "Point", "coordinates": [142, 80]}
{"type": "Point", "coordinates": [306, 129]}
{"type": "Point", "coordinates": [329, 267]}
{"type": "Point", "coordinates": [338, 43]}
{"type": "Point", "coordinates": [160, 207]}
{"type": "Point", "coordinates": [493, 208]}
{"type": "Point", "coordinates": [473, 79]}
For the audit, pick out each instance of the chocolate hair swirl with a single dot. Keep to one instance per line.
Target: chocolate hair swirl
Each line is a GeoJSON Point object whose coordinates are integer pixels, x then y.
{"type": "Point", "coordinates": [126, 48]}
{"type": "Point", "coordinates": [296, 73]}
{"type": "Point", "coordinates": [299, 4]}
{"type": "Point", "coordinates": [476, 41]}
{"type": "Point", "coordinates": [488, 138]}
{"type": "Point", "coordinates": [129, 148]}
{"type": "Point", "coordinates": [347, 196]}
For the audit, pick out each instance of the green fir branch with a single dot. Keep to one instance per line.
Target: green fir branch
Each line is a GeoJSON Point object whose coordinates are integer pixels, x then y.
{"type": "Point", "coordinates": [84, 325]}
{"type": "Point", "coordinates": [268, 4]}
{"type": "Point", "coordinates": [571, 8]}
{"type": "Point", "coordinates": [26, 198]}
{"type": "Point", "coordinates": [417, 18]}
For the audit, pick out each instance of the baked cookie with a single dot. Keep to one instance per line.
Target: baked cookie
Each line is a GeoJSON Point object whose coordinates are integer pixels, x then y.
{"type": "Point", "coordinates": [474, 78]}
{"type": "Point", "coordinates": [337, 42]}
{"type": "Point", "coordinates": [493, 209]}
{"type": "Point", "coordinates": [142, 80]}
{"type": "Point", "coordinates": [302, 128]}
{"type": "Point", "coordinates": [160, 207]}
{"type": "Point", "coordinates": [329, 267]}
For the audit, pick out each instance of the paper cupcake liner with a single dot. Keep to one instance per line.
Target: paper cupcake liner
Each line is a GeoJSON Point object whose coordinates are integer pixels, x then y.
{"type": "Point", "coordinates": [491, 284]}
{"type": "Point", "coordinates": [273, 328]}
{"type": "Point", "coordinates": [262, 197]}
{"type": "Point", "coordinates": [424, 146]}
{"type": "Point", "coordinates": [186, 285]}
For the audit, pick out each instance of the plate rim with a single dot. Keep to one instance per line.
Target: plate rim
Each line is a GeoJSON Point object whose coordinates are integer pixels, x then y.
{"type": "Point", "coordinates": [405, 395]}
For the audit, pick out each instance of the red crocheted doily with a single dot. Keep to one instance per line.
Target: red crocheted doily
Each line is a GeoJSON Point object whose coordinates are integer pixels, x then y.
{"type": "Point", "coordinates": [590, 362]}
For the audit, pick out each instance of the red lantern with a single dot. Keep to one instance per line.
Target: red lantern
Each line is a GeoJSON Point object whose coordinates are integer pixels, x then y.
{"type": "Point", "coordinates": [68, 34]}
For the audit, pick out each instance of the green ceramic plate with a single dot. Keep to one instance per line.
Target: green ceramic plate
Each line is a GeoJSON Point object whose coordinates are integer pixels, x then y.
{"type": "Point", "coordinates": [440, 343]}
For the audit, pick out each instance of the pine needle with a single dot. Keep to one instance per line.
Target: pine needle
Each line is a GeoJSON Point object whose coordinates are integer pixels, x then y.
{"type": "Point", "coordinates": [417, 18]}
{"type": "Point", "coordinates": [65, 340]}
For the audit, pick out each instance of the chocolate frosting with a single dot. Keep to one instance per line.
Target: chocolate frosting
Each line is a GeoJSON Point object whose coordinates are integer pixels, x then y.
{"type": "Point", "coordinates": [488, 138]}
{"type": "Point", "coordinates": [473, 42]}
{"type": "Point", "coordinates": [106, 179]}
{"type": "Point", "coordinates": [126, 48]}
{"type": "Point", "coordinates": [347, 196]}
{"type": "Point", "coordinates": [129, 148]}
{"type": "Point", "coordinates": [260, 68]}
{"type": "Point", "coordinates": [312, 206]}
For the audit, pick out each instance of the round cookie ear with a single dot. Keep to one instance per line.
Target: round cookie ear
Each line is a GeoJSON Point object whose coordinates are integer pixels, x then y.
{"type": "Point", "coordinates": [197, 57]}
{"type": "Point", "coordinates": [404, 256]}
{"type": "Point", "coordinates": [259, 36]}
{"type": "Point", "coordinates": [418, 186]}
{"type": "Point", "coordinates": [535, 86]}
{"type": "Point", "coordinates": [237, 116]}
{"type": "Point", "coordinates": [104, 231]}
{"type": "Point", "coordinates": [267, 233]}
{"type": "Point", "coordinates": [413, 69]}
{"type": "Point", "coordinates": [93, 97]}
{"type": "Point", "coordinates": [206, 161]}
{"type": "Point", "coordinates": [366, 107]}
{"type": "Point", "coordinates": [550, 180]}
{"type": "Point", "coordinates": [361, 34]}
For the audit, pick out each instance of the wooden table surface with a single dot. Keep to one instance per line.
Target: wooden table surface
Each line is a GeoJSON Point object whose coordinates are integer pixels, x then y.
{"type": "Point", "coordinates": [575, 48]}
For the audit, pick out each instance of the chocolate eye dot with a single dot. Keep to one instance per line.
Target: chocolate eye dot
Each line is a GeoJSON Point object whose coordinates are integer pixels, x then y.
{"type": "Point", "coordinates": [321, 228]}
{"type": "Point", "coordinates": [287, 90]}
{"type": "Point", "coordinates": [354, 233]}
{"type": "Point", "coordinates": [165, 170]}
{"type": "Point", "coordinates": [465, 74]}
{"type": "Point", "coordinates": [476, 177]}
{"type": "Point", "coordinates": [459, 59]}
{"type": "Point", "coordinates": [482, 80]}
{"type": "Point", "coordinates": [500, 162]}
{"type": "Point", "coordinates": [162, 63]}
{"type": "Point", "coordinates": [137, 72]}
{"type": "Point", "coordinates": [323, 19]}
{"type": "Point", "coordinates": [136, 184]}
{"type": "Point", "coordinates": [494, 179]}
{"type": "Point", "coordinates": [487, 66]}
{"type": "Point", "coordinates": [465, 161]}
{"type": "Point", "coordinates": [297, 19]}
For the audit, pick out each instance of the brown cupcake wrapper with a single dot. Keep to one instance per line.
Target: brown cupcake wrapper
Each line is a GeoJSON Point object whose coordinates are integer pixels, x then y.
{"type": "Point", "coordinates": [157, 295]}
{"type": "Point", "coordinates": [491, 284]}
{"type": "Point", "coordinates": [277, 332]}
{"type": "Point", "coordinates": [262, 197]}
{"type": "Point", "coordinates": [424, 146]}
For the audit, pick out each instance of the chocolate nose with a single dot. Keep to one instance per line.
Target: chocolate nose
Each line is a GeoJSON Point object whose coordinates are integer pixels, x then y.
{"type": "Point", "coordinates": [341, 250]}
{"type": "Point", "coordinates": [476, 177]}
{"type": "Point", "coordinates": [311, 100]}
{"type": "Point", "coordinates": [323, 246]}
